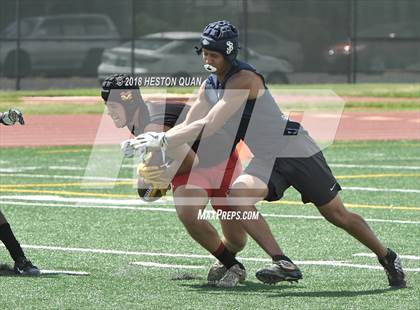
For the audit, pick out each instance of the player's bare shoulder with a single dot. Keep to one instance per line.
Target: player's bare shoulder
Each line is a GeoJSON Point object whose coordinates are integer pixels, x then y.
{"type": "Point", "coordinates": [201, 95]}
{"type": "Point", "coordinates": [248, 80]}
{"type": "Point", "coordinates": [202, 99]}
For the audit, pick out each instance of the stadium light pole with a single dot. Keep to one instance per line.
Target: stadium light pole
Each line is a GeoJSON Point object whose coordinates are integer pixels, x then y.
{"type": "Point", "coordinates": [17, 58]}
{"type": "Point", "coordinates": [245, 27]}
{"type": "Point", "coordinates": [353, 31]}
{"type": "Point", "coordinates": [133, 34]}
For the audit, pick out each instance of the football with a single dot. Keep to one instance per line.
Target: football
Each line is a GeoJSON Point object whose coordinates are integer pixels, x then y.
{"type": "Point", "coordinates": [148, 192]}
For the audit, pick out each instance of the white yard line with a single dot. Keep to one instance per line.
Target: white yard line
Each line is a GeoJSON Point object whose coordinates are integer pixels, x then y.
{"type": "Point", "coordinates": [73, 177]}
{"type": "Point", "coordinates": [316, 217]}
{"type": "Point", "coordinates": [342, 264]}
{"type": "Point", "coordinates": [46, 167]}
{"type": "Point", "coordinates": [318, 263]}
{"type": "Point", "coordinates": [409, 257]}
{"type": "Point", "coordinates": [114, 252]}
{"type": "Point", "coordinates": [157, 209]}
{"type": "Point", "coordinates": [392, 221]}
{"type": "Point", "coordinates": [362, 166]}
{"type": "Point", "coordinates": [65, 272]}
{"type": "Point", "coordinates": [374, 189]}
{"type": "Point", "coordinates": [165, 209]}
{"type": "Point", "coordinates": [54, 198]}
{"type": "Point", "coordinates": [82, 168]}
{"type": "Point", "coordinates": [159, 254]}
{"type": "Point", "coordinates": [19, 169]}
{"type": "Point", "coordinates": [75, 168]}
{"type": "Point", "coordinates": [77, 206]}
{"type": "Point", "coordinates": [158, 265]}
{"type": "Point", "coordinates": [195, 256]}
{"type": "Point", "coordinates": [69, 177]}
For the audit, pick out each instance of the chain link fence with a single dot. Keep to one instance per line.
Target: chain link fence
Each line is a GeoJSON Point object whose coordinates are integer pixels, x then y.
{"type": "Point", "coordinates": [66, 44]}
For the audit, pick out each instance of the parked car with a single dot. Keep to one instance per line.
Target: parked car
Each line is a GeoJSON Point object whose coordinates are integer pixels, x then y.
{"type": "Point", "coordinates": [378, 49]}
{"type": "Point", "coordinates": [64, 44]}
{"type": "Point", "coordinates": [172, 54]}
{"type": "Point", "coordinates": [268, 43]}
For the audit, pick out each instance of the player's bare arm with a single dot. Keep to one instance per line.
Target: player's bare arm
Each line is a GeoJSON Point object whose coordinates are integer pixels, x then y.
{"type": "Point", "coordinates": [245, 85]}
{"type": "Point", "coordinates": [182, 153]}
{"type": "Point", "coordinates": [198, 110]}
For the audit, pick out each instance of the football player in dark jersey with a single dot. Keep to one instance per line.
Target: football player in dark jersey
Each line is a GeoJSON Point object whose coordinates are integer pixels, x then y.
{"type": "Point", "coordinates": [236, 96]}
{"type": "Point", "coordinates": [208, 181]}
{"type": "Point", "coordinates": [22, 266]}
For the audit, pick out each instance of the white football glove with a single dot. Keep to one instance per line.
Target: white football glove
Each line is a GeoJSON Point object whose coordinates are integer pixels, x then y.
{"type": "Point", "coordinates": [127, 149]}
{"type": "Point", "coordinates": [12, 116]}
{"type": "Point", "coordinates": [150, 140]}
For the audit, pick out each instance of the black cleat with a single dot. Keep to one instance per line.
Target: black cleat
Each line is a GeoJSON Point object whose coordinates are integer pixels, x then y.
{"type": "Point", "coordinates": [24, 267]}
{"type": "Point", "coordinates": [281, 270]}
{"type": "Point", "coordinates": [393, 268]}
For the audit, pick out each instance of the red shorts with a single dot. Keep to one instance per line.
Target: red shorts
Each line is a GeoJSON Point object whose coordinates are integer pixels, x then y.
{"type": "Point", "coordinates": [216, 180]}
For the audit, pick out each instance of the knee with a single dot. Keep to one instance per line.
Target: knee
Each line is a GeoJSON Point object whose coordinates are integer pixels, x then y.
{"type": "Point", "coordinates": [188, 215]}
{"type": "Point", "coordinates": [238, 190]}
{"type": "Point", "coordinates": [243, 194]}
{"type": "Point", "coordinates": [235, 245]}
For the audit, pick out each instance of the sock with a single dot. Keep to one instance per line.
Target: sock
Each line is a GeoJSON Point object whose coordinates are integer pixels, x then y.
{"type": "Point", "coordinates": [226, 257]}
{"type": "Point", "coordinates": [9, 240]}
{"type": "Point", "coordinates": [281, 257]}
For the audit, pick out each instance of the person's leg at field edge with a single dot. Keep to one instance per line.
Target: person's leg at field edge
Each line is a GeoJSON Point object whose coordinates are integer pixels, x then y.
{"type": "Point", "coordinates": [336, 213]}
{"type": "Point", "coordinates": [188, 203]}
{"type": "Point", "coordinates": [245, 192]}
{"type": "Point", "coordinates": [22, 265]}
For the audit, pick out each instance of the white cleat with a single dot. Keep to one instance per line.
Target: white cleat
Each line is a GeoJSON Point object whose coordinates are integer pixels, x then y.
{"type": "Point", "coordinates": [216, 272]}
{"type": "Point", "coordinates": [232, 277]}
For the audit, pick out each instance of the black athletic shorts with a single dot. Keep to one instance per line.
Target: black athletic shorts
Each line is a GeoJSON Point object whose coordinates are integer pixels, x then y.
{"type": "Point", "coordinates": [310, 176]}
